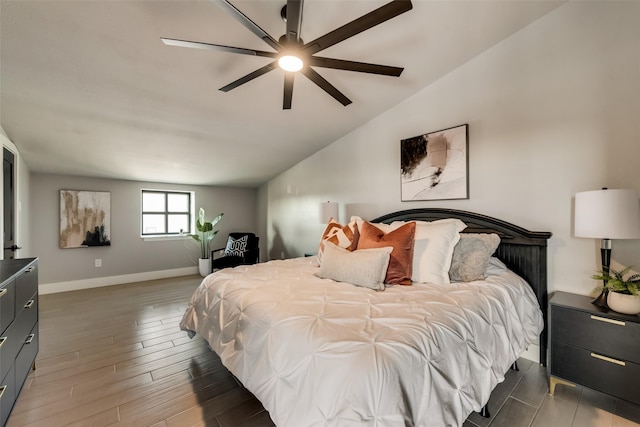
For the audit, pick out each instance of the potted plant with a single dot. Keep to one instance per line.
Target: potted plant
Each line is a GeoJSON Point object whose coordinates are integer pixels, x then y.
{"type": "Point", "coordinates": [624, 292]}
{"type": "Point", "coordinates": [204, 235]}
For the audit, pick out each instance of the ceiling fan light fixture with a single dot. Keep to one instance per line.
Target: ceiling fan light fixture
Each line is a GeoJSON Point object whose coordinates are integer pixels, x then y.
{"type": "Point", "coordinates": [290, 63]}
{"type": "Point", "coordinates": [292, 54]}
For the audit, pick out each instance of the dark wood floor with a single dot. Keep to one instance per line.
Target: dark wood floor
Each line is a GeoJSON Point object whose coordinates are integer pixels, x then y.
{"type": "Point", "coordinates": [115, 356]}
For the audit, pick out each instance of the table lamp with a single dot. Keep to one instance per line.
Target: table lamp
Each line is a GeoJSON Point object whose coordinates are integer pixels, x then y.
{"type": "Point", "coordinates": [607, 214]}
{"type": "Point", "coordinates": [328, 210]}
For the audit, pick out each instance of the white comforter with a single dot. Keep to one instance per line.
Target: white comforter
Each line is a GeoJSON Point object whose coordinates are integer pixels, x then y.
{"type": "Point", "coordinates": [323, 353]}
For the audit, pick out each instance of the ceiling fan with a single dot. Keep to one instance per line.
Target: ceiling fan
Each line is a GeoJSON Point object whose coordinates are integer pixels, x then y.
{"type": "Point", "coordinates": [293, 55]}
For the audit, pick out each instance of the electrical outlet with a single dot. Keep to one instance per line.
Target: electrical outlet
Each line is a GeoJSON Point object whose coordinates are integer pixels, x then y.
{"type": "Point", "coordinates": [282, 255]}
{"type": "Point", "coordinates": [98, 262]}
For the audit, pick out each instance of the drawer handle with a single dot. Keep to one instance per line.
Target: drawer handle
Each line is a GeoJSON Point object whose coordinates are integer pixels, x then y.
{"type": "Point", "coordinates": [30, 269]}
{"type": "Point", "coordinates": [2, 341]}
{"type": "Point", "coordinates": [608, 359]}
{"type": "Point", "coordinates": [29, 304]}
{"type": "Point", "coordinates": [31, 336]}
{"type": "Point", "coordinates": [2, 292]}
{"type": "Point", "coordinates": [2, 390]}
{"type": "Point", "coordinates": [607, 320]}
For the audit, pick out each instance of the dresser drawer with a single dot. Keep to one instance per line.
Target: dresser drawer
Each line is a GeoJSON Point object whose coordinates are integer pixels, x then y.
{"type": "Point", "coordinates": [18, 328]}
{"type": "Point", "coordinates": [24, 361]}
{"type": "Point", "coordinates": [8, 391]}
{"type": "Point", "coordinates": [613, 376]}
{"type": "Point", "coordinates": [16, 335]}
{"type": "Point", "coordinates": [26, 286]}
{"type": "Point", "coordinates": [7, 305]}
{"type": "Point", "coordinates": [29, 310]}
{"type": "Point", "coordinates": [9, 349]}
{"type": "Point", "coordinates": [598, 333]}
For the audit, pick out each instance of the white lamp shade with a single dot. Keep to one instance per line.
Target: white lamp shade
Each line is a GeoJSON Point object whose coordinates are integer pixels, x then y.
{"type": "Point", "coordinates": [607, 214]}
{"type": "Point", "coordinates": [328, 210]}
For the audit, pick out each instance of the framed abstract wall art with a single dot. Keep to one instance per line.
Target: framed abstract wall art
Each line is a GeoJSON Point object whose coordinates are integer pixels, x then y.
{"type": "Point", "coordinates": [435, 166]}
{"type": "Point", "coordinates": [85, 218]}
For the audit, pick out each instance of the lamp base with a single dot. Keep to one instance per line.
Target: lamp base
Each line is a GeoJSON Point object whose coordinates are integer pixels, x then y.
{"type": "Point", "coordinates": [605, 254]}
{"type": "Point", "coordinates": [601, 300]}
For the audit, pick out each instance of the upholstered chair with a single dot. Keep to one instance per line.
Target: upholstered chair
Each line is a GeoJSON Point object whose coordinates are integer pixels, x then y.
{"type": "Point", "coordinates": [241, 249]}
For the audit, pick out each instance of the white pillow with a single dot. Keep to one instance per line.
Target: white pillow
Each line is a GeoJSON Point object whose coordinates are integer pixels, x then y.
{"type": "Point", "coordinates": [363, 267]}
{"type": "Point", "coordinates": [433, 249]}
{"type": "Point", "coordinates": [495, 267]}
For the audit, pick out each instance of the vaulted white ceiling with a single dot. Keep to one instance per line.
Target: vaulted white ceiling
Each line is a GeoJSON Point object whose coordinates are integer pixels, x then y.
{"type": "Point", "coordinates": [87, 88]}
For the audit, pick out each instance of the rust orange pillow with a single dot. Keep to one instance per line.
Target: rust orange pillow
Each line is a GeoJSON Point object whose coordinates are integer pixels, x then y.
{"type": "Point", "coordinates": [345, 237]}
{"type": "Point", "coordinates": [401, 239]}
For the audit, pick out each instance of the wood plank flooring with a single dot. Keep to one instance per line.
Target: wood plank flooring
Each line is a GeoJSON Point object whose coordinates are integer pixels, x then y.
{"type": "Point", "coordinates": [115, 356]}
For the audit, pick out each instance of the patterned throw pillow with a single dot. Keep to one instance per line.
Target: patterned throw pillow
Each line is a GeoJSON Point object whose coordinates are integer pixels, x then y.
{"type": "Point", "coordinates": [345, 237]}
{"type": "Point", "coordinates": [236, 247]}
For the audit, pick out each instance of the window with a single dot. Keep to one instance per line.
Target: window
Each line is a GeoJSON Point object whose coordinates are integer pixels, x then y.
{"type": "Point", "coordinates": [166, 213]}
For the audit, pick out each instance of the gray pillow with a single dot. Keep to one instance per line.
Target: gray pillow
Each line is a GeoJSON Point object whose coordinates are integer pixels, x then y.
{"type": "Point", "coordinates": [363, 267]}
{"type": "Point", "coordinates": [471, 256]}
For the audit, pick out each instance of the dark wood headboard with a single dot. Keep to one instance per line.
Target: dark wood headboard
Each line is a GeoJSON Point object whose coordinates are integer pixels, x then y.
{"type": "Point", "coordinates": [523, 251]}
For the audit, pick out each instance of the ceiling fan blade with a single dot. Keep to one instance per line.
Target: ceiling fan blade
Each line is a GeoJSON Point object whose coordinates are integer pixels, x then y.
{"type": "Point", "coordinates": [312, 75]}
{"type": "Point", "coordinates": [371, 19]}
{"type": "Point", "coordinates": [294, 21]}
{"type": "Point", "coordinates": [250, 76]}
{"type": "Point", "coordinates": [217, 47]}
{"type": "Point", "coordinates": [288, 90]}
{"type": "Point", "coordinates": [249, 24]}
{"type": "Point", "coordinates": [362, 67]}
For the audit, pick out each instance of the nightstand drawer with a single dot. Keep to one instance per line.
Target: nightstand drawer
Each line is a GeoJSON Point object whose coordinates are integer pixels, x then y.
{"type": "Point", "coordinates": [616, 377]}
{"type": "Point", "coordinates": [606, 335]}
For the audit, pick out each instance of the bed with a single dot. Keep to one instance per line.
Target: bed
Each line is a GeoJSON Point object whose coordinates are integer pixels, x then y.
{"type": "Point", "coordinates": [320, 352]}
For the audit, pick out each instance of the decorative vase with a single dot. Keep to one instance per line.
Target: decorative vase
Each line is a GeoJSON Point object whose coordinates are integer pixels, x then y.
{"type": "Point", "coordinates": [623, 303]}
{"type": "Point", "coordinates": [204, 266]}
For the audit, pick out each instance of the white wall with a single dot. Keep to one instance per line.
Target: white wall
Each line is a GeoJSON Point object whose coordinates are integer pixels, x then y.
{"type": "Point", "coordinates": [552, 110]}
{"type": "Point", "coordinates": [128, 254]}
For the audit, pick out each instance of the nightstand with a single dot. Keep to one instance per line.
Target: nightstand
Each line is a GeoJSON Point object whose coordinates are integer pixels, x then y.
{"type": "Point", "coordinates": [594, 347]}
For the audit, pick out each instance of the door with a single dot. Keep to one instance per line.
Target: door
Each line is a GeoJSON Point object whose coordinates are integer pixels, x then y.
{"type": "Point", "coordinates": [8, 180]}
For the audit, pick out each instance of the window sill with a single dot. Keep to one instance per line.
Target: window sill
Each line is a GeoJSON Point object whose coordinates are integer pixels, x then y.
{"type": "Point", "coordinates": [164, 238]}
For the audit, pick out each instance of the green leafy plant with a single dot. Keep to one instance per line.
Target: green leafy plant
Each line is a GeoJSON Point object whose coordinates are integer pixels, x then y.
{"type": "Point", "coordinates": [205, 233]}
{"type": "Point", "coordinates": [617, 282]}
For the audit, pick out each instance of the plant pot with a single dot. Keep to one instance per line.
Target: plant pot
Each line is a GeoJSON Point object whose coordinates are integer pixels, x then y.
{"type": "Point", "coordinates": [204, 266]}
{"type": "Point", "coordinates": [623, 303]}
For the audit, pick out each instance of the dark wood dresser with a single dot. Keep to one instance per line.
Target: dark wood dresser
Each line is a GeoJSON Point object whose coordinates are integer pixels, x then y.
{"type": "Point", "coordinates": [19, 325]}
{"type": "Point", "coordinates": [594, 347]}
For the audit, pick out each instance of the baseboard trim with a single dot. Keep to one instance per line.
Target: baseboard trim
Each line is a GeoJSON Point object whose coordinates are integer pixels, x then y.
{"type": "Point", "coordinates": [75, 285]}
{"type": "Point", "coordinates": [532, 353]}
